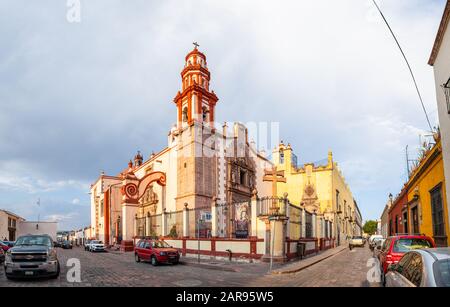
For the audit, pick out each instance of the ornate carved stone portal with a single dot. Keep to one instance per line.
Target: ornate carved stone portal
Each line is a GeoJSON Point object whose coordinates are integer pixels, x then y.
{"type": "Point", "coordinates": [310, 199]}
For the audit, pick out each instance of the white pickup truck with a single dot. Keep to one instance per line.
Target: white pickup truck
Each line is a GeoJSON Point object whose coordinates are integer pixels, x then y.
{"type": "Point", "coordinates": [356, 241]}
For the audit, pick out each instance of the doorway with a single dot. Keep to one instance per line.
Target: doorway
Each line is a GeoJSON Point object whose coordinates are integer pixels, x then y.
{"type": "Point", "coordinates": [415, 220]}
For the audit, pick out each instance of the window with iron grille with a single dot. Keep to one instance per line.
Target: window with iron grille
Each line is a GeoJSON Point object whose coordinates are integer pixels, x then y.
{"type": "Point", "coordinates": [437, 211]}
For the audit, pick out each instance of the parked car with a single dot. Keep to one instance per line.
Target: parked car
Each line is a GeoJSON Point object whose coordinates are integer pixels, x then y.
{"type": "Point", "coordinates": [396, 246]}
{"type": "Point", "coordinates": [86, 245]}
{"type": "Point", "coordinates": [373, 239]}
{"type": "Point", "coordinates": [156, 251]}
{"type": "Point", "coordinates": [378, 247]}
{"type": "Point", "coordinates": [32, 256]}
{"type": "Point", "coordinates": [2, 256]}
{"type": "Point", "coordinates": [356, 241]}
{"type": "Point", "coordinates": [421, 268]}
{"type": "Point", "coordinates": [4, 246]}
{"type": "Point", "coordinates": [96, 246]}
{"type": "Point", "coordinates": [66, 244]}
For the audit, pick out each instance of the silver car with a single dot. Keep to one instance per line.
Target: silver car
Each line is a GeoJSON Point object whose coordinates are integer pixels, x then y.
{"type": "Point", "coordinates": [421, 268]}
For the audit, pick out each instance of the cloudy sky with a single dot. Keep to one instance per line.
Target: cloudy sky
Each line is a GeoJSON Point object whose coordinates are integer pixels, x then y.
{"type": "Point", "coordinates": [78, 98]}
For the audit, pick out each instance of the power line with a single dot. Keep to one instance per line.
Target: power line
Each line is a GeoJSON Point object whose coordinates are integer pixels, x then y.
{"type": "Point", "coordinates": [407, 63]}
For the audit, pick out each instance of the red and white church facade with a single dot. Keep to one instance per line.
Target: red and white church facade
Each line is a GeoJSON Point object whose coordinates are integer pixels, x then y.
{"type": "Point", "coordinates": [208, 182]}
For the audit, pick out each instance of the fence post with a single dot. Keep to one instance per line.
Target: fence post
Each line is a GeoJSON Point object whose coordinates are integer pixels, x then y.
{"type": "Point", "coordinates": [314, 226]}
{"type": "Point", "coordinates": [254, 213]}
{"type": "Point", "coordinates": [135, 226]}
{"type": "Point", "coordinates": [214, 228]}
{"type": "Point", "coordinates": [163, 223]}
{"type": "Point", "coordinates": [148, 230]}
{"type": "Point", "coordinates": [185, 221]}
{"type": "Point", "coordinates": [288, 209]}
{"type": "Point", "coordinates": [303, 232]}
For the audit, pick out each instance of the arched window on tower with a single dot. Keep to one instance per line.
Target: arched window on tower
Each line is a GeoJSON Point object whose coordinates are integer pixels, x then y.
{"type": "Point", "coordinates": [185, 114]}
{"type": "Point", "coordinates": [205, 113]}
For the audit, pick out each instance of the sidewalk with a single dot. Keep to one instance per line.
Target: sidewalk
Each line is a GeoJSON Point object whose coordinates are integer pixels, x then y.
{"type": "Point", "coordinates": [261, 267]}
{"type": "Point", "coordinates": [307, 262]}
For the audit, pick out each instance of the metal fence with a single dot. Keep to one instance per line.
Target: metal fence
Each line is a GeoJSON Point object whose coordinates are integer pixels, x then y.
{"type": "Point", "coordinates": [308, 225]}
{"type": "Point", "coordinates": [271, 205]}
{"type": "Point", "coordinates": [141, 226]}
{"type": "Point", "coordinates": [295, 222]}
{"type": "Point", "coordinates": [174, 222]}
{"type": "Point", "coordinates": [155, 227]}
{"type": "Point", "coordinates": [200, 222]}
{"type": "Point", "coordinates": [234, 219]}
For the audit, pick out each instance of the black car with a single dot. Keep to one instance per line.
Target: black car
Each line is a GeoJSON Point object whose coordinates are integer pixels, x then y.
{"type": "Point", "coordinates": [32, 256]}
{"type": "Point", "coordinates": [66, 244]}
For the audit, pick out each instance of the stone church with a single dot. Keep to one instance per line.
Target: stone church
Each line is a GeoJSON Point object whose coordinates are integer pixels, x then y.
{"type": "Point", "coordinates": [202, 163]}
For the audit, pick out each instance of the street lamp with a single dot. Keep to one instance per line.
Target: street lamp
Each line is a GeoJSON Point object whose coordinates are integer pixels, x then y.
{"type": "Point", "coordinates": [446, 89]}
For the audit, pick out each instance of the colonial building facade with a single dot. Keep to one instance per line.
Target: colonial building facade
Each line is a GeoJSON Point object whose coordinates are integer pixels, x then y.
{"type": "Point", "coordinates": [211, 185]}
{"type": "Point", "coordinates": [439, 59]}
{"type": "Point", "coordinates": [320, 188]}
{"type": "Point", "coordinates": [201, 164]}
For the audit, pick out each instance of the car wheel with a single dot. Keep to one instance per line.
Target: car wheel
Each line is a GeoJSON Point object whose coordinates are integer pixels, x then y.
{"type": "Point", "coordinates": [136, 258]}
{"type": "Point", "coordinates": [154, 261]}
{"type": "Point", "coordinates": [58, 270]}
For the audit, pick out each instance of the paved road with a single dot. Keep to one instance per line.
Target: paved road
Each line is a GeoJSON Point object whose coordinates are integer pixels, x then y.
{"type": "Point", "coordinates": [348, 268]}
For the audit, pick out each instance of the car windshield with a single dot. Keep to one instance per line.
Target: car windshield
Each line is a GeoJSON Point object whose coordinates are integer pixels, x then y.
{"type": "Point", "coordinates": [160, 244]}
{"type": "Point", "coordinates": [441, 271]}
{"type": "Point", "coordinates": [357, 238]}
{"type": "Point", "coordinates": [96, 242]}
{"type": "Point", "coordinates": [34, 240]}
{"type": "Point", "coordinates": [405, 245]}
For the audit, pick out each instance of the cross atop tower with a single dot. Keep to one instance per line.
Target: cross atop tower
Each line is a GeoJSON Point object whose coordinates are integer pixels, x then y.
{"type": "Point", "coordinates": [196, 45]}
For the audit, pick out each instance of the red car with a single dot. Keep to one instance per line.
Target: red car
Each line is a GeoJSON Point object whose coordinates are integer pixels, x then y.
{"type": "Point", "coordinates": [155, 251]}
{"type": "Point", "coordinates": [4, 246]}
{"type": "Point", "coordinates": [395, 247]}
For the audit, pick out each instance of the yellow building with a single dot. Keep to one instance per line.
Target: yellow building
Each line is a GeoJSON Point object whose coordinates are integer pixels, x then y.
{"type": "Point", "coordinates": [427, 204]}
{"type": "Point", "coordinates": [321, 188]}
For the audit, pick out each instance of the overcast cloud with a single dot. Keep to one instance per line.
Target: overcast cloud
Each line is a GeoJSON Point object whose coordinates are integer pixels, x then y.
{"type": "Point", "coordinates": [78, 98]}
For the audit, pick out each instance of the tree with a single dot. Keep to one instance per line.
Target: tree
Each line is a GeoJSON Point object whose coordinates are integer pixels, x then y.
{"type": "Point", "coordinates": [370, 227]}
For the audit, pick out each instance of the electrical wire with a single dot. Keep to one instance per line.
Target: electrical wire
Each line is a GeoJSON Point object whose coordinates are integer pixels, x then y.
{"type": "Point", "coordinates": [407, 63]}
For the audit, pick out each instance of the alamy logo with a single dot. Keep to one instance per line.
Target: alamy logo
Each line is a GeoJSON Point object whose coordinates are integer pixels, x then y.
{"type": "Point", "coordinates": [74, 271]}
{"type": "Point", "coordinates": [374, 273]}
{"type": "Point", "coordinates": [74, 11]}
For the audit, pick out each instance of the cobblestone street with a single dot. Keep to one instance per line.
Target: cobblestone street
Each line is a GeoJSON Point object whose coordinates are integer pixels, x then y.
{"type": "Point", "coordinates": [345, 269]}
{"type": "Point", "coordinates": [348, 268]}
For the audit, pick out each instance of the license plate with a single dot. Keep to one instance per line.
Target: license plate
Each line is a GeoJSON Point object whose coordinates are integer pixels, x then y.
{"type": "Point", "coordinates": [28, 273]}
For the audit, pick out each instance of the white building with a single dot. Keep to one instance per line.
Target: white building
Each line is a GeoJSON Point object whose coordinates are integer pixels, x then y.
{"type": "Point", "coordinates": [8, 225]}
{"type": "Point", "coordinates": [440, 60]}
{"type": "Point", "coordinates": [13, 226]}
{"type": "Point", "coordinates": [37, 228]}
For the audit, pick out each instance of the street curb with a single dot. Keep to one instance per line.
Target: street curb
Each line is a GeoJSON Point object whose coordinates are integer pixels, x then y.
{"type": "Point", "coordinates": [308, 265]}
{"type": "Point", "coordinates": [208, 266]}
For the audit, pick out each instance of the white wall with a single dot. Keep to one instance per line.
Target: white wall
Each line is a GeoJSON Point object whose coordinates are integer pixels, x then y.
{"type": "Point", "coordinates": [49, 228]}
{"type": "Point", "coordinates": [441, 76]}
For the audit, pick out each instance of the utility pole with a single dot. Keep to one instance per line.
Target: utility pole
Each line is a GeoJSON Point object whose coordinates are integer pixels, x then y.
{"type": "Point", "coordinates": [39, 205]}
{"type": "Point", "coordinates": [407, 162]}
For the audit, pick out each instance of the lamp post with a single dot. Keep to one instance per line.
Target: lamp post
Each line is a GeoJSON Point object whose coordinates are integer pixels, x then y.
{"type": "Point", "coordinates": [446, 88]}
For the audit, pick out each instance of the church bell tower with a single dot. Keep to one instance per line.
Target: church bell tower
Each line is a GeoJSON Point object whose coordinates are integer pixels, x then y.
{"type": "Point", "coordinates": [196, 146]}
